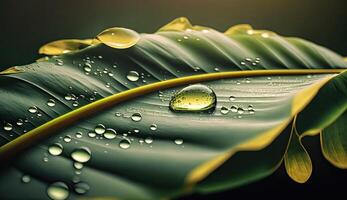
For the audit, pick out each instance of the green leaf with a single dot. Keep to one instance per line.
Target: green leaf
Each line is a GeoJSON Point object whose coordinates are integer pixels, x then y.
{"type": "Point", "coordinates": [279, 77]}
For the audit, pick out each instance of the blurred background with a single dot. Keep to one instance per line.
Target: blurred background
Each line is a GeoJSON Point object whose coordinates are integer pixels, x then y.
{"type": "Point", "coordinates": [26, 25]}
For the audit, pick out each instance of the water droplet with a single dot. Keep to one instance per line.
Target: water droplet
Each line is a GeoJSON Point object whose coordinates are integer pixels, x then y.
{"type": "Point", "coordinates": [136, 117]}
{"type": "Point", "coordinates": [178, 141]}
{"type": "Point", "coordinates": [124, 144]}
{"type": "Point", "coordinates": [149, 140]}
{"type": "Point", "coordinates": [81, 188]}
{"type": "Point", "coordinates": [118, 114]}
{"type": "Point", "coordinates": [81, 155]}
{"type": "Point", "coordinates": [26, 178]}
{"type": "Point", "coordinates": [79, 135]}
{"type": "Point", "coordinates": [8, 127]}
{"type": "Point", "coordinates": [75, 104]}
{"type": "Point", "coordinates": [119, 38]}
{"type": "Point", "coordinates": [233, 109]}
{"type": "Point", "coordinates": [78, 165]}
{"type": "Point", "coordinates": [216, 69]}
{"type": "Point", "coordinates": [45, 159]}
{"type": "Point", "coordinates": [32, 109]}
{"type": "Point", "coordinates": [67, 138]}
{"type": "Point", "coordinates": [68, 97]}
{"type": "Point", "coordinates": [50, 102]}
{"type": "Point", "coordinates": [240, 110]}
{"type": "Point", "coordinates": [110, 134]}
{"type": "Point", "coordinates": [194, 98]}
{"type": "Point", "coordinates": [232, 98]}
{"type": "Point", "coordinates": [59, 62]}
{"type": "Point", "coordinates": [19, 122]}
{"type": "Point", "coordinates": [87, 67]}
{"type": "Point", "coordinates": [133, 76]}
{"type": "Point", "coordinates": [91, 134]}
{"type": "Point", "coordinates": [55, 149]}
{"type": "Point", "coordinates": [153, 127]}
{"type": "Point", "coordinates": [136, 131]}
{"type": "Point", "coordinates": [99, 129]}
{"type": "Point", "coordinates": [58, 191]}
{"type": "Point", "coordinates": [224, 110]}
{"type": "Point", "coordinates": [251, 111]}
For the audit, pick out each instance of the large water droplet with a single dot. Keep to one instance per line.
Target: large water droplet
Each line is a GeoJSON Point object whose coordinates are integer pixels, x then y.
{"type": "Point", "coordinates": [8, 127]}
{"type": "Point", "coordinates": [136, 117]}
{"type": "Point", "coordinates": [55, 149]}
{"type": "Point", "coordinates": [58, 191]}
{"type": "Point", "coordinates": [133, 76]}
{"type": "Point", "coordinates": [124, 144]}
{"type": "Point", "coordinates": [110, 134]}
{"type": "Point", "coordinates": [51, 102]}
{"type": "Point", "coordinates": [194, 98]}
{"type": "Point", "coordinates": [119, 38]}
{"type": "Point", "coordinates": [81, 188]}
{"type": "Point", "coordinates": [32, 109]}
{"type": "Point", "coordinates": [99, 129]}
{"type": "Point", "coordinates": [81, 155]}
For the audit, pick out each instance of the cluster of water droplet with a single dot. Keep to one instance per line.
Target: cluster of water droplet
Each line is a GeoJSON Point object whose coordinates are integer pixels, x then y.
{"type": "Point", "coordinates": [250, 62]}
{"type": "Point", "coordinates": [237, 109]}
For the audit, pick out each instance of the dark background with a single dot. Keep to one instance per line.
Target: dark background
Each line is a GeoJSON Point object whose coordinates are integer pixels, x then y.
{"type": "Point", "coordinates": [28, 24]}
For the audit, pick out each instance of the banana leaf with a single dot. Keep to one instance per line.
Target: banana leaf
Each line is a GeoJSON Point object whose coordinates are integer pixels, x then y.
{"type": "Point", "coordinates": [96, 118]}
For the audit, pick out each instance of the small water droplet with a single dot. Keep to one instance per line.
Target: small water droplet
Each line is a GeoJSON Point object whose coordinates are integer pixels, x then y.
{"type": "Point", "coordinates": [99, 129]}
{"type": "Point", "coordinates": [68, 97]}
{"type": "Point", "coordinates": [26, 178]}
{"type": "Point", "coordinates": [133, 76]}
{"type": "Point", "coordinates": [224, 110]}
{"type": "Point", "coordinates": [110, 134]}
{"type": "Point", "coordinates": [19, 122]}
{"type": "Point", "coordinates": [124, 144]}
{"type": "Point", "coordinates": [81, 188]}
{"type": "Point", "coordinates": [58, 191]}
{"type": "Point", "coordinates": [50, 102]}
{"type": "Point", "coordinates": [78, 165]}
{"type": "Point", "coordinates": [136, 117]}
{"type": "Point", "coordinates": [153, 127]}
{"type": "Point", "coordinates": [59, 62]}
{"type": "Point", "coordinates": [87, 67]}
{"type": "Point", "coordinates": [149, 140]}
{"type": "Point", "coordinates": [75, 104]}
{"type": "Point", "coordinates": [45, 159]}
{"type": "Point", "coordinates": [194, 98]}
{"type": "Point", "coordinates": [119, 38]}
{"type": "Point", "coordinates": [118, 114]}
{"type": "Point", "coordinates": [79, 135]}
{"type": "Point", "coordinates": [232, 98]}
{"type": "Point", "coordinates": [91, 134]}
{"type": "Point", "coordinates": [178, 141]}
{"type": "Point", "coordinates": [55, 149]}
{"type": "Point", "coordinates": [233, 109]}
{"type": "Point", "coordinates": [81, 155]}
{"type": "Point", "coordinates": [8, 127]}
{"type": "Point", "coordinates": [240, 110]}
{"type": "Point", "coordinates": [67, 138]}
{"type": "Point", "coordinates": [32, 109]}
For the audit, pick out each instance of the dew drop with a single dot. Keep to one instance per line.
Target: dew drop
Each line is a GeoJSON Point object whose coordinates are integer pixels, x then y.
{"type": "Point", "coordinates": [240, 110]}
{"type": "Point", "coordinates": [8, 127]}
{"type": "Point", "coordinates": [119, 38]}
{"type": "Point", "coordinates": [232, 98]}
{"type": "Point", "coordinates": [110, 134]}
{"type": "Point", "coordinates": [50, 102]}
{"type": "Point", "coordinates": [194, 98]}
{"type": "Point", "coordinates": [78, 135]}
{"type": "Point", "coordinates": [67, 138]}
{"type": "Point", "coordinates": [77, 165]}
{"type": "Point", "coordinates": [133, 76]}
{"type": "Point", "coordinates": [32, 109]}
{"type": "Point", "coordinates": [81, 188]}
{"type": "Point", "coordinates": [224, 110]}
{"type": "Point", "coordinates": [99, 129]}
{"type": "Point", "coordinates": [178, 141]}
{"type": "Point", "coordinates": [233, 109]}
{"type": "Point", "coordinates": [118, 114]}
{"type": "Point", "coordinates": [81, 155]}
{"type": "Point", "coordinates": [26, 178]}
{"type": "Point", "coordinates": [19, 122]}
{"type": "Point", "coordinates": [58, 191]}
{"type": "Point", "coordinates": [55, 149]}
{"type": "Point", "coordinates": [136, 117]}
{"type": "Point", "coordinates": [149, 140]}
{"type": "Point", "coordinates": [153, 127]}
{"type": "Point", "coordinates": [75, 104]}
{"type": "Point", "coordinates": [87, 67]}
{"type": "Point", "coordinates": [91, 134]}
{"type": "Point", "coordinates": [124, 144]}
